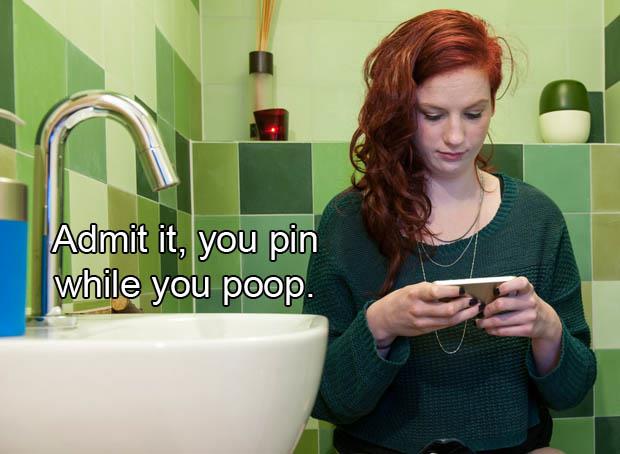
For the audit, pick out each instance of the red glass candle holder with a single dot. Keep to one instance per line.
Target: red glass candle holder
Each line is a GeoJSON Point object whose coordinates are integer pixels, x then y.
{"type": "Point", "coordinates": [272, 124]}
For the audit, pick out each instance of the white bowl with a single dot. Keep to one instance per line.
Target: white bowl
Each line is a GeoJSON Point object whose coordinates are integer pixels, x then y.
{"type": "Point", "coordinates": [565, 126]}
{"type": "Point", "coordinates": [197, 383]}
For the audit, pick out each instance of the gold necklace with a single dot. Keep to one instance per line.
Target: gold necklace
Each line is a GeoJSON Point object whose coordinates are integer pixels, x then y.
{"type": "Point", "coordinates": [471, 274]}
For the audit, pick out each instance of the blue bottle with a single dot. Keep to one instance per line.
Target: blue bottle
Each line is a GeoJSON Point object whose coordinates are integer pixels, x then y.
{"type": "Point", "coordinates": [13, 256]}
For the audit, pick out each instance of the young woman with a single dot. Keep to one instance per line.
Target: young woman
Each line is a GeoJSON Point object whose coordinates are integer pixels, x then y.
{"type": "Point", "coordinates": [402, 368]}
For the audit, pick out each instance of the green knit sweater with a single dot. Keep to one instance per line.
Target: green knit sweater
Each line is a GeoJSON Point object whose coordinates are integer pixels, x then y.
{"type": "Point", "coordinates": [487, 394]}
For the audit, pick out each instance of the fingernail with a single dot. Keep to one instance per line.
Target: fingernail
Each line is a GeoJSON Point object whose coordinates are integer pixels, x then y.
{"type": "Point", "coordinates": [473, 302]}
{"type": "Point", "coordinates": [496, 291]}
{"type": "Point", "coordinates": [461, 291]}
{"type": "Point", "coordinates": [481, 311]}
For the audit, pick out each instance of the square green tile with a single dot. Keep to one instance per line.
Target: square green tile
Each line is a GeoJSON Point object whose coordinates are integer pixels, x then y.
{"type": "Point", "coordinates": [143, 187]}
{"type": "Point", "coordinates": [506, 158]}
{"type": "Point", "coordinates": [193, 53]}
{"type": "Point", "coordinates": [296, 98]}
{"type": "Point", "coordinates": [184, 228]}
{"type": "Point", "coordinates": [88, 35]}
{"type": "Point", "coordinates": [612, 52]}
{"type": "Point", "coordinates": [612, 114]}
{"type": "Point", "coordinates": [186, 306]}
{"type": "Point", "coordinates": [165, 78]}
{"type": "Point", "coordinates": [286, 264]}
{"type": "Point", "coordinates": [196, 4]}
{"type": "Point", "coordinates": [145, 52]}
{"type": "Point", "coordinates": [8, 162]}
{"type": "Point", "coordinates": [308, 443]}
{"type": "Point", "coordinates": [605, 247]}
{"type": "Point", "coordinates": [216, 178]}
{"type": "Point", "coordinates": [586, 298]}
{"type": "Point", "coordinates": [185, 265]}
{"type": "Point", "coordinates": [585, 408]}
{"type": "Point", "coordinates": [326, 438]}
{"type": "Point", "coordinates": [586, 53]}
{"type": "Point", "coordinates": [182, 90]}
{"type": "Point", "coordinates": [89, 305]}
{"type": "Point", "coordinates": [147, 107]}
{"type": "Point", "coordinates": [573, 435]}
{"type": "Point", "coordinates": [121, 158]}
{"type": "Point", "coordinates": [562, 172]}
{"type": "Point", "coordinates": [606, 396]}
{"type": "Point", "coordinates": [86, 145]}
{"type": "Point", "coordinates": [334, 124]}
{"type": "Point", "coordinates": [607, 435]}
{"type": "Point", "coordinates": [122, 212]}
{"type": "Point", "coordinates": [312, 424]}
{"type": "Point", "coordinates": [226, 115]}
{"type": "Point", "coordinates": [582, 13]}
{"type": "Point", "coordinates": [150, 264]}
{"type": "Point", "coordinates": [605, 171]}
{"type": "Point", "coordinates": [612, 10]}
{"type": "Point", "coordinates": [169, 260]}
{"type": "Point", "coordinates": [184, 189]}
{"type": "Point", "coordinates": [218, 264]}
{"type": "Point", "coordinates": [597, 117]}
{"type": "Point", "coordinates": [331, 172]}
{"type": "Point", "coordinates": [579, 232]}
{"type": "Point", "coordinates": [37, 45]}
{"type": "Point", "coordinates": [275, 178]}
{"type": "Point", "coordinates": [118, 30]}
{"type": "Point", "coordinates": [83, 73]}
{"type": "Point", "coordinates": [168, 196]}
{"type": "Point", "coordinates": [195, 109]}
{"type": "Point", "coordinates": [88, 203]}
{"type": "Point", "coordinates": [228, 58]}
{"type": "Point", "coordinates": [213, 304]}
{"type": "Point", "coordinates": [606, 314]}
{"type": "Point", "coordinates": [550, 59]}
{"type": "Point", "coordinates": [317, 221]}
{"type": "Point", "coordinates": [7, 72]}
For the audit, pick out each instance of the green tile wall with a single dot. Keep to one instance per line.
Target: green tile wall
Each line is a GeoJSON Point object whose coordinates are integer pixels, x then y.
{"type": "Point", "coordinates": [7, 88]}
{"type": "Point", "coordinates": [234, 189]}
{"type": "Point", "coordinates": [319, 48]}
{"type": "Point", "coordinates": [49, 53]}
{"type": "Point", "coordinates": [612, 70]}
{"type": "Point", "coordinates": [612, 63]}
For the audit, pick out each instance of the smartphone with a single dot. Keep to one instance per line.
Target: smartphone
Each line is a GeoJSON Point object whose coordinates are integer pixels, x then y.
{"type": "Point", "coordinates": [479, 287]}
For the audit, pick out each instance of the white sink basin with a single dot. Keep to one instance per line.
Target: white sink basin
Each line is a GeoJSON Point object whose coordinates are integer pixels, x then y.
{"type": "Point", "coordinates": [197, 383]}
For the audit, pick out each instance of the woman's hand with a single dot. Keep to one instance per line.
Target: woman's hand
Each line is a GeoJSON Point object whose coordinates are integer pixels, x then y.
{"type": "Point", "coordinates": [524, 314]}
{"type": "Point", "coordinates": [528, 316]}
{"type": "Point", "coordinates": [415, 309]}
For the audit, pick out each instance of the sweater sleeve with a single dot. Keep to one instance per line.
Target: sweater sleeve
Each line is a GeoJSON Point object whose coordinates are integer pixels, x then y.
{"type": "Point", "coordinates": [355, 375]}
{"type": "Point", "coordinates": [569, 382]}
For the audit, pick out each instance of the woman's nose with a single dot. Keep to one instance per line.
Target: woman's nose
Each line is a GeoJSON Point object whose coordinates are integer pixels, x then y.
{"type": "Point", "coordinates": [454, 133]}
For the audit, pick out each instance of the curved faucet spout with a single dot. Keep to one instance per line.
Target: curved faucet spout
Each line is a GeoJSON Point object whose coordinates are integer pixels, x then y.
{"type": "Point", "coordinates": [50, 144]}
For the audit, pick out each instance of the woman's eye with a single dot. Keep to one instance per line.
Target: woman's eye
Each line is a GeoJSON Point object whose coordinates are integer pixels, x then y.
{"type": "Point", "coordinates": [432, 117]}
{"type": "Point", "coordinates": [473, 116]}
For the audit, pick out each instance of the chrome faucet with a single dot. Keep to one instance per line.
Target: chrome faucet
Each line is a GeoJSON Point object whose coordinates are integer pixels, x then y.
{"type": "Point", "coordinates": [49, 170]}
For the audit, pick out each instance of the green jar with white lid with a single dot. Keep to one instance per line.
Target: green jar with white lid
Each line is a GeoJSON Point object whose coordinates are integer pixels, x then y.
{"type": "Point", "coordinates": [564, 112]}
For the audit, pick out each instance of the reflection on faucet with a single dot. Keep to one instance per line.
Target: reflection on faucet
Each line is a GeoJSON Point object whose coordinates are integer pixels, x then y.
{"type": "Point", "coordinates": [49, 170]}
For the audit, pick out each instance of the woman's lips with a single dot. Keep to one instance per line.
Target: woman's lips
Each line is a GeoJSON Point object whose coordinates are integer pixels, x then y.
{"type": "Point", "coordinates": [451, 156]}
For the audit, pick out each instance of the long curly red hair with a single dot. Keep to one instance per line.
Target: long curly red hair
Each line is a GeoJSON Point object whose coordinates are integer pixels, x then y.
{"type": "Point", "coordinates": [395, 207]}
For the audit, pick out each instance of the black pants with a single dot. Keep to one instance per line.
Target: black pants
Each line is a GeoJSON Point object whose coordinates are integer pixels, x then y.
{"type": "Point", "coordinates": [538, 436]}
